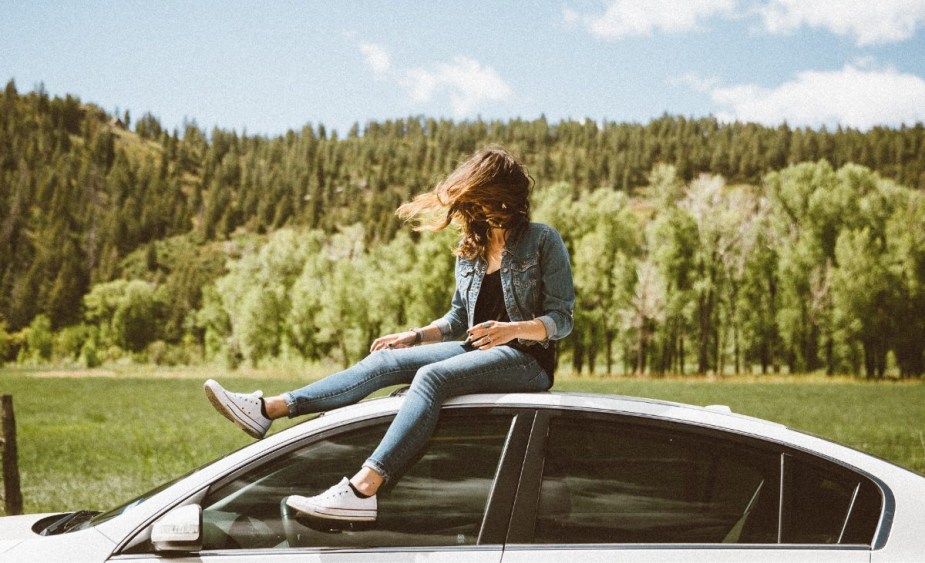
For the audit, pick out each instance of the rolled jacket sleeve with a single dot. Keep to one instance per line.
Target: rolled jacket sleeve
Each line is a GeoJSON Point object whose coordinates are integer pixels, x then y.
{"type": "Point", "coordinates": [454, 324]}
{"type": "Point", "coordinates": [558, 297]}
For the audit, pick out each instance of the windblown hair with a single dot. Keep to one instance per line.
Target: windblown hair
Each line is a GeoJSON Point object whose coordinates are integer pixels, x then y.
{"type": "Point", "coordinates": [490, 188]}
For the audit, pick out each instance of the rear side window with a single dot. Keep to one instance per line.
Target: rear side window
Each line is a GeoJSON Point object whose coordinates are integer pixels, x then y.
{"type": "Point", "coordinates": [608, 481]}
{"type": "Point", "coordinates": [826, 504]}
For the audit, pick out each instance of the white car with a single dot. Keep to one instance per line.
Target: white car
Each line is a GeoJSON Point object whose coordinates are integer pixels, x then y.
{"type": "Point", "coordinates": [520, 478]}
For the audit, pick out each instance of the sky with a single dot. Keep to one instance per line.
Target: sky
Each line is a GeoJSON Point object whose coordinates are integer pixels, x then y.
{"type": "Point", "coordinates": [268, 67]}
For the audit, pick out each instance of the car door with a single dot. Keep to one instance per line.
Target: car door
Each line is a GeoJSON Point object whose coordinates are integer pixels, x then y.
{"type": "Point", "coordinates": [614, 488]}
{"type": "Point", "coordinates": [447, 506]}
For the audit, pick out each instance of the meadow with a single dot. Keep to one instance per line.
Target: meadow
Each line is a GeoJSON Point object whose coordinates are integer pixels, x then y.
{"type": "Point", "coordinates": [92, 439]}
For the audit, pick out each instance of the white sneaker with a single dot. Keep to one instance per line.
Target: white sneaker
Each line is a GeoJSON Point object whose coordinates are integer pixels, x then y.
{"type": "Point", "coordinates": [337, 503]}
{"type": "Point", "coordinates": [243, 410]}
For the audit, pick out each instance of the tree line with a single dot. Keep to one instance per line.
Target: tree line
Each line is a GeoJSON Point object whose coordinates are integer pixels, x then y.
{"type": "Point", "coordinates": [698, 246]}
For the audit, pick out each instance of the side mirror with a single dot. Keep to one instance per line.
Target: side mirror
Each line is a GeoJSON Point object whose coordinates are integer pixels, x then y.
{"type": "Point", "coordinates": [180, 530]}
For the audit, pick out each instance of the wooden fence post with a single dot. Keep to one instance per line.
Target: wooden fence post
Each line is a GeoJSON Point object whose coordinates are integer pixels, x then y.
{"type": "Point", "coordinates": [12, 496]}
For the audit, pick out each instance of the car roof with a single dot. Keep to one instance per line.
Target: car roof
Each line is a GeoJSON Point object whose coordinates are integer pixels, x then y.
{"type": "Point", "coordinates": [640, 406]}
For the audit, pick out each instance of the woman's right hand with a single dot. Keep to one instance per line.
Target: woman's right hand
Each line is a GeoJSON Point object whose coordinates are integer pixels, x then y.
{"type": "Point", "coordinates": [398, 340]}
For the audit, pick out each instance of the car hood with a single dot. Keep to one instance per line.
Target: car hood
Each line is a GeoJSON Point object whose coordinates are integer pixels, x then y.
{"type": "Point", "coordinates": [14, 529]}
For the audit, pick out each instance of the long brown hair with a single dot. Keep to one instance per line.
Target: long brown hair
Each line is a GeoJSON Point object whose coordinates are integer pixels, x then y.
{"type": "Point", "coordinates": [489, 189]}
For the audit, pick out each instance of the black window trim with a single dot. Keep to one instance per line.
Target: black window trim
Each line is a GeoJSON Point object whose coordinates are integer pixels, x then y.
{"type": "Point", "coordinates": [782, 473]}
{"type": "Point", "coordinates": [523, 518]}
{"type": "Point", "coordinates": [523, 515]}
{"type": "Point", "coordinates": [680, 546]}
{"type": "Point", "coordinates": [500, 502]}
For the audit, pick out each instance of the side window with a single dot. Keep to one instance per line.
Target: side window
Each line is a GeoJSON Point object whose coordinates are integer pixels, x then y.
{"type": "Point", "coordinates": [825, 504]}
{"type": "Point", "coordinates": [440, 500]}
{"type": "Point", "coordinates": [607, 482]}
{"type": "Point", "coordinates": [615, 482]}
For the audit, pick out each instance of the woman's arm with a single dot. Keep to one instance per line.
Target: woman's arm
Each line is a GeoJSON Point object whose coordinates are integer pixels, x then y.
{"type": "Point", "coordinates": [483, 336]}
{"type": "Point", "coordinates": [412, 337]}
{"type": "Point", "coordinates": [557, 302]}
{"type": "Point", "coordinates": [489, 334]}
{"type": "Point", "coordinates": [558, 298]}
{"type": "Point", "coordinates": [453, 324]}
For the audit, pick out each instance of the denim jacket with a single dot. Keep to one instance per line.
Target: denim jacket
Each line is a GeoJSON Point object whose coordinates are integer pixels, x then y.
{"type": "Point", "coordinates": [536, 278]}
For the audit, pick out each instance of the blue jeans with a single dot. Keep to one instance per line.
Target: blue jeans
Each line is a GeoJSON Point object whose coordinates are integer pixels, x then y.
{"type": "Point", "coordinates": [436, 372]}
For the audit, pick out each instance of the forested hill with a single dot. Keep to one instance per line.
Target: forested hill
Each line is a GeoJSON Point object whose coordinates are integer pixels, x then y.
{"type": "Point", "coordinates": [85, 195]}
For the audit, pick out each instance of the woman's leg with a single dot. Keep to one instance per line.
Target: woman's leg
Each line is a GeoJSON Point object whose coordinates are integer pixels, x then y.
{"type": "Point", "coordinates": [499, 370]}
{"type": "Point", "coordinates": [255, 414]}
{"type": "Point", "coordinates": [378, 370]}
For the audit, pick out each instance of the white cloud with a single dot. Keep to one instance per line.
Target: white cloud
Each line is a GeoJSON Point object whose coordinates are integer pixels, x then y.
{"type": "Point", "coordinates": [625, 18]}
{"type": "Point", "coordinates": [467, 82]}
{"type": "Point", "coordinates": [376, 57]}
{"type": "Point", "coordinates": [695, 82]}
{"type": "Point", "coordinates": [868, 21]}
{"type": "Point", "coordinates": [853, 96]}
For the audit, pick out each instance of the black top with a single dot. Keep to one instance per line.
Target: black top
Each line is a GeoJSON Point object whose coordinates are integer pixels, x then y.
{"type": "Point", "coordinates": [490, 307]}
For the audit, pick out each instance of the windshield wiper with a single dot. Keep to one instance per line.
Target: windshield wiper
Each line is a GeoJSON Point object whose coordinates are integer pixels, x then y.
{"type": "Point", "coordinates": [68, 522]}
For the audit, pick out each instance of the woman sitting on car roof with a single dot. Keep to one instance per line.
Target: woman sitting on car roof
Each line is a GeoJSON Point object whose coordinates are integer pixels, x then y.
{"type": "Point", "coordinates": [514, 298]}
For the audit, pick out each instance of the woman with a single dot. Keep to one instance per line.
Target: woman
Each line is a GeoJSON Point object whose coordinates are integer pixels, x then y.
{"type": "Point", "coordinates": [514, 298]}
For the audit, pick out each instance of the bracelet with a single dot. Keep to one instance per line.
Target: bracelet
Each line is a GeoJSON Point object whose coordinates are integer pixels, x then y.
{"type": "Point", "coordinates": [418, 335]}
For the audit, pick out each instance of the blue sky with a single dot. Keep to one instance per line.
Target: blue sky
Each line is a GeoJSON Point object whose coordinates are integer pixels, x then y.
{"type": "Point", "coordinates": [266, 67]}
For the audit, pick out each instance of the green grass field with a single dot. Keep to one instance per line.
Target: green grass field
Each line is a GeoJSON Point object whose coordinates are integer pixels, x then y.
{"type": "Point", "coordinates": [94, 439]}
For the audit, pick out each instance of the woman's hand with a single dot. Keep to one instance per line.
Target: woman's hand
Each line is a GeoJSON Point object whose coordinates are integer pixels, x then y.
{"type": "Point", "coordinates": [487, 335]}
{"type": "Point", "coordinates": [398, 340]}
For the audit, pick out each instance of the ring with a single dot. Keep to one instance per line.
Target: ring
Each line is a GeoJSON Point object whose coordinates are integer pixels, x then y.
{"type": "Point", "coordinates": [485, 324]}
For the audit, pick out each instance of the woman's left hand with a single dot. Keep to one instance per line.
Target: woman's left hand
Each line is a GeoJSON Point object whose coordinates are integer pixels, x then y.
{"type": "Point", "coordinates": [487, 335]}
{"type": "Point", "coordinates": [405, 339]}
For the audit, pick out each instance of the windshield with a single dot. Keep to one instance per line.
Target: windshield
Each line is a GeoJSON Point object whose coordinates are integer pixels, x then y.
{"type": "Point", "coordinates": [82, 519]}
{"type": "Point", "coordinates": [123, 508]}
{"type": "Point", "coordinates": [63, 524]}
{"type": "Point", "coordinates": [73, 521]}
